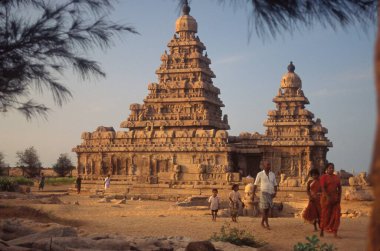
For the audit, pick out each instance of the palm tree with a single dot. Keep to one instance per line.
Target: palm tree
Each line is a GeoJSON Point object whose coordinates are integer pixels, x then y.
{"type": "Point", "coordinates": [277, 16]}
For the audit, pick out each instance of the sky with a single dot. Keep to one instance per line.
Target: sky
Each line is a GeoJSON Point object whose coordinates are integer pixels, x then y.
{"type": "Point", "coordinates": [336, 68]}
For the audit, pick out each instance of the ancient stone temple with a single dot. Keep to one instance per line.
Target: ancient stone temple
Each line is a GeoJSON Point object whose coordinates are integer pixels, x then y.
{"type": "Point", "coordinates": [178, 136]}
{"type": "Point", "coordinates": [178, 133]}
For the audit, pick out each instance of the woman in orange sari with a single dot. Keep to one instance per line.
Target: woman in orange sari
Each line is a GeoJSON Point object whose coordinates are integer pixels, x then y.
{"type": "Point", "coordinates": [312, 212]}
{"type": "Point", "coordinates": [330, 201]}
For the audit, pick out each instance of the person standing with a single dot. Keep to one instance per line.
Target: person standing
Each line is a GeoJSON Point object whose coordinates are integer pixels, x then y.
{"type": "Point", "coordinates": [312, 212]}
{"type": "Point", "coordinates": [42, 182]}
{"type": "Point", "coordinates": [214, 202]}
{"type": "Point", "coordinates": [268, 188]}
{"type": "Point", "coordinates": [235, 200]}
{"type": "Point", "coordinates": [107, 182]}
{"type": "Point", "coordinates": [78, 183]}
{"type": "Point", "coordinates": [330, 201]}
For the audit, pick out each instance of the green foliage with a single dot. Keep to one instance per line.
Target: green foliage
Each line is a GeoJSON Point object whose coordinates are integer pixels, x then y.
{"type": "Point", "coordinates": [313, 244]}
{"type": "Point", "coordinates": [41, 40]}
{"type": "Point", "coordinates": [236, 236]}
{"type": "Point", "coordinates": [2, 163]}
{"type": "Point", "coordinates": [10, 183]}
{"type": "Point", "coordinates": [64, 165]}
{"type": "Point", "coordinates": [29, 161]}
{"type": "Point", "coordinates": [55, 181]}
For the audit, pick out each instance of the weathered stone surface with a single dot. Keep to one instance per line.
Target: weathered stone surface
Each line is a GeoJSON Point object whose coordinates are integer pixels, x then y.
{"type": "Point", "coordinates": [105, 200]}
{"type": "Point", "coordinates": [123, 201]}
{"type": "Point", "coordinates": [251, 207]}
{"type": "Point", "coordinates": [359, 180]}
{"type": "Point", "coordinates": [28, 240]}
{"type": "Point", "coordinates": [357, 193]}
{"type": "Point", "coordinates": [51, 200]}
{"type": "Point", "coordinates": [200, 246]}
{"type": "Point", "coordinates": [60, 238]}
{"type": "Point", "coordinates": [194, 201]}
{"type": "Point", "coordinates": [5, 247]}
{"type": "Point", "coordinates": [13, 228]}
{"type": "Point", "coordinates": [65, 243]}
{"type": "Point", "coordinates": [290, 182]}
{"type": "Point", "coordinates": [228, 246]}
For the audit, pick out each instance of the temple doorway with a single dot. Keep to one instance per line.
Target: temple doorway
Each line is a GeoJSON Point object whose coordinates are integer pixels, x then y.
{"type": "Point", "coordinates": [253, 164]}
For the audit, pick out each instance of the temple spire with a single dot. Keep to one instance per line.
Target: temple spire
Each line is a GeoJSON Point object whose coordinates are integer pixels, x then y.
{"type": "Point", "coordinates": [291, 67]}
{"type": "Point", "coordinates": [186, 8]}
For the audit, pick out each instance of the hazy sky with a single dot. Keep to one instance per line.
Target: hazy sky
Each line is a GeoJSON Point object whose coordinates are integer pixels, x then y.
{"type": "Point", "coordinates": [336, 68]}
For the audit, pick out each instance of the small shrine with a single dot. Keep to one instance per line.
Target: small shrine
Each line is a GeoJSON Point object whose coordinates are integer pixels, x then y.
{"type": "Point", "coordinates": [178, 135]}
{"type": "Point", "coordinates": [293, 142]}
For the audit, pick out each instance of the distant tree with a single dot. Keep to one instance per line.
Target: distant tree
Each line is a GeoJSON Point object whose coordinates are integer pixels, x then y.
{"type": "Point", "coordinates": [42, 39]}
{"type": "Point", "coordinates": [2, 164]}
{"type": "Point", "coordinates": [29, 162]}
{"type": "Point", "coordinates": [64, 165]}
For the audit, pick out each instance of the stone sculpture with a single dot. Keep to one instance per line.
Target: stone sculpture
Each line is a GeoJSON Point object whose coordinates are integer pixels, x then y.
{"type": "Point", "coordinates": [359, 180]}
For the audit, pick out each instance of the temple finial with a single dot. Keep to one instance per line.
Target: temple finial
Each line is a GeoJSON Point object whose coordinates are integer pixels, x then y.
{"type": "Point", "coordinates": [186, 8]}
{"type": "Point", "coordinates": [291, 67]}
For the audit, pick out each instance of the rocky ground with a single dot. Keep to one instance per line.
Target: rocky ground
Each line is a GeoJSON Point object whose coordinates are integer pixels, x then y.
{"type": "Point", "coordinates": [60, 221]}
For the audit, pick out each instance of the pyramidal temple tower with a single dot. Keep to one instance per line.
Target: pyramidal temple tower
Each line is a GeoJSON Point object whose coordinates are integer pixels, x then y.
{"type": "Point", "coordinates": [185, 95]}
{"type": "Point", "coordinates": [178, 134]}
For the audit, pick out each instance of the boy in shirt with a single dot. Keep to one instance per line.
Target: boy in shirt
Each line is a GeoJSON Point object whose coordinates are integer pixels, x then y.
{"type": "Point", "coordinates": [214, 203]}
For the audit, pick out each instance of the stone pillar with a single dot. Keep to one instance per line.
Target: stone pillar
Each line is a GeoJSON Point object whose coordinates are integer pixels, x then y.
{"type": "Point", "coordinates": [78, 163]}
{"type": "Point", "coordinates": [111, 167]}
{"type": "Point", "coordinates": [86, 166]}
{"type": "Point", "coordinates": [300, 166]}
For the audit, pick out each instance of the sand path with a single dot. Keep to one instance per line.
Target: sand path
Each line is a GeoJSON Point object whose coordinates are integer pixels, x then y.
{"type": "Point", "coordinates": [160, 218]}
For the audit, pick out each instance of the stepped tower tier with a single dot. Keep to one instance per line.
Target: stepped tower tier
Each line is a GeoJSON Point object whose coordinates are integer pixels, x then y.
{"type": "Point", "coordinates": [185, 95]}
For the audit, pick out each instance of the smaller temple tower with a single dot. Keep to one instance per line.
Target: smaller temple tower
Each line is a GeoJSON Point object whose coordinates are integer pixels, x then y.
{"type": "Point", "coordinates": [293, 141]}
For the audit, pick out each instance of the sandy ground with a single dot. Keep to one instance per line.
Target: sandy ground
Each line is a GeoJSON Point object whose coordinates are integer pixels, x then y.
{"type": "Point", "coordinates": [160, 218]}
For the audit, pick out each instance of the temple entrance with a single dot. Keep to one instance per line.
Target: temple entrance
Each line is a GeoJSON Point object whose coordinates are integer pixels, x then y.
{"type": "Point", "coordinates": [253, 164]}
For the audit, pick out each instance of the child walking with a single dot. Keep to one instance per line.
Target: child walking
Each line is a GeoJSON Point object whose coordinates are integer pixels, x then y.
{"type": "Point", "coordinates": [214, 202]}
{"type": "Point", "coordinates": [235, 200]}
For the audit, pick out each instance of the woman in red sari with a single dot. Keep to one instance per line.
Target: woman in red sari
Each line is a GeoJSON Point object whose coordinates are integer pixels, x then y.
{"type": "Point", "coordinates": [330, 201]}
{"type": "Point", "coordinates": [312, 212]}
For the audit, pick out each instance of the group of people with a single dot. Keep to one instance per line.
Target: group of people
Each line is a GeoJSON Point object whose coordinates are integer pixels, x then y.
{"type": "Point", "coordinates": [323, 208]}
{"type": "Point", "coordinates": [268, 187]}
{"type": "Point", "coordinates": [325, 193]}
{"type": "Point", "coordinates": [78, 183]}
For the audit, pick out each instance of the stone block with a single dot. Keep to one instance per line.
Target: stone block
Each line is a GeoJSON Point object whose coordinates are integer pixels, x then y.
{"type": "Point", "coordinates": [356, 193]}
{"type": "Point", "coordinates": [247, 180]}
{"type": "Point", "coordinates": [200, 246]}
